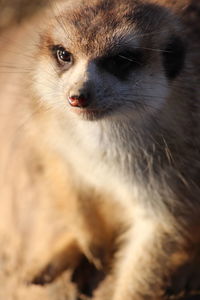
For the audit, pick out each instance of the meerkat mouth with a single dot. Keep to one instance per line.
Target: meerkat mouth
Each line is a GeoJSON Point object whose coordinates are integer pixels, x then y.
{"type": "Point", "coordinates": [91, 114]}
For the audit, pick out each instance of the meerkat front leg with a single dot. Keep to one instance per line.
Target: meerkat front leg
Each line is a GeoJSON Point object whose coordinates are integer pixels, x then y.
{"type": "Point", "coordinates": [142, 262]}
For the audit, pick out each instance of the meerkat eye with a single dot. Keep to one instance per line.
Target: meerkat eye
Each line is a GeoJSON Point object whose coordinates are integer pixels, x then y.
{"type": "Point", "coordinates": [121, 60]}
{"type": "Point", "coordinates": [128, 59]}
{"type": "Point", "coordinates": [62, 56]}
{"type": "Point", "coordinates": [123, 63]}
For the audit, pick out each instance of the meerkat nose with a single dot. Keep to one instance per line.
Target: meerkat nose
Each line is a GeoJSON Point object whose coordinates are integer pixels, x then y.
{"type": "Point", "coordinates": [78, 101]}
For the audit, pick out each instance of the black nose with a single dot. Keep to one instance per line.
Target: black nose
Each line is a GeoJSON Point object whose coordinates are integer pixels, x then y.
{"type": "Point", "coordinates": [78, 101]}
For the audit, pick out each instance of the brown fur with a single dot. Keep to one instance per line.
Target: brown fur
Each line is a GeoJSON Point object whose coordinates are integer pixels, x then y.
{"type": "Point", "coordinates": [53, 220]}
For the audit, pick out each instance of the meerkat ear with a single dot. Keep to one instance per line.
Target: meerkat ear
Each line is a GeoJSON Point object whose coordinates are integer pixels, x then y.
{"type": "Point", "coordinates": [174, 57]}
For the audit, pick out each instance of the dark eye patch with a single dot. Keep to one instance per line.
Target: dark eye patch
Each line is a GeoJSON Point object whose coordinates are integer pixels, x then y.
{"type": "Point", "coordinates": [122, 64]}
{"type": "Point", "coordinates": [174, 57]}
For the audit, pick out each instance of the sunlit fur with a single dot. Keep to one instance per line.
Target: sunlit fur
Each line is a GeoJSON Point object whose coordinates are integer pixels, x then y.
{"type": "Point", "coordinates": [120, 186]}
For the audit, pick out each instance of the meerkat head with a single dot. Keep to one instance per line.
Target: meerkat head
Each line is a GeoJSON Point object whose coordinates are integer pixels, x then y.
{"type": "Point", "coordinates": [109, 59]}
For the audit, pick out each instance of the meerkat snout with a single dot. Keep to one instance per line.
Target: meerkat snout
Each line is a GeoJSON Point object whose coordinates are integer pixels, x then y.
{"type": "Point", "coordinates": [80, 94]}
{"type": "Point", "coordinates": [78, 101]}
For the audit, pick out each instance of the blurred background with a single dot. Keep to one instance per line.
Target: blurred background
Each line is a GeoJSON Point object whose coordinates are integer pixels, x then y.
{"type": "Point", "coordinates": [14, 11]}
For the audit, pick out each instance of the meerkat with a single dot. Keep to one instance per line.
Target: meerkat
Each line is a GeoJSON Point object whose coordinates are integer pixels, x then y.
{"type": "Point", "coordinates": [108, 91]}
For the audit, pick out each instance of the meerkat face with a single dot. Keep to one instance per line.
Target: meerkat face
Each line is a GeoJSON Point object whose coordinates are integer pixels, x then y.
{"type": "Point", "coordinates": [109, 59]}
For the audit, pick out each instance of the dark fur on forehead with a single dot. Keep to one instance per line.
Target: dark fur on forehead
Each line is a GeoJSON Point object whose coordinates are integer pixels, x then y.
{"type": "Point", "coordinates": [94, 25]}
